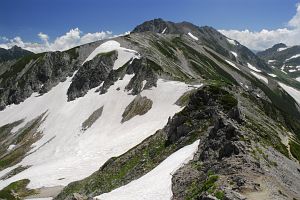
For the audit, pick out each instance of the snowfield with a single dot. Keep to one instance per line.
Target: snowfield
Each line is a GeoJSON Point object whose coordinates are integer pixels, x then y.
{"type": "Point", "coordinates": [253, 68]}
{"type": "Point", "coordinates": [124, 55]}
{"type": "Point", "coordinates": [291, 91]}
{"type": "Point", "coordinates": [232, 64]}
{"type": "Point", "coordinates": [192, 36]}
{"type": "Point", "coordinates": [260, 77]}
{"type": "Point", "coordinates": [155, 185]}
{"type": "Point", "coordinates": [65, 153]}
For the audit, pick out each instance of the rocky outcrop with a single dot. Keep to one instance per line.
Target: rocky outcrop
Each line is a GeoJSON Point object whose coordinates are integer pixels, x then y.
{"type": "Point", "coordinates": [139, 106]}
{"type": "Point", "coordinates": [91, 74]}
{"type": "Point", "coordinates": [35, 73]}
{"type": "Point", "coordinates": [92, 119]}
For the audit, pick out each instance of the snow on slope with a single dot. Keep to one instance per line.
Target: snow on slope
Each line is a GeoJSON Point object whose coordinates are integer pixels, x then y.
{"type": "Point", "coordinates": [260, 77]}
{"type": "Point", "coordinates": [234, 53]}
{"type": "Point", "coordinates": [124, 55]}
{"type": "Point", "coordinates": [298, 79]}
{"type": "Point", "coordinates": [232, 64]}
{"type": "Point", "coordinates": [68, 153]}
{"type": "Point", "coordinates": [293, 57]}
{"type": "Point", "coordinates": [163, 32]}
{"type": "Point", "coordinates": [252, 67]}
{"type": "Point", "coordinates": [231, 41]}
{"type": "Point", "coordinates": [272, 75]}
{"type": "Point", "coordinates": [291, 91]}
{"type": "Point", "coordinates": [155, 185]}
{"type": "Point", "coordinates": [192, 36]}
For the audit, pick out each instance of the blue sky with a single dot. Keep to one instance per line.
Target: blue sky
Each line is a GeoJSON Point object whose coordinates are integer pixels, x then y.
{"type": "Point", "coordinates": [27, 18]}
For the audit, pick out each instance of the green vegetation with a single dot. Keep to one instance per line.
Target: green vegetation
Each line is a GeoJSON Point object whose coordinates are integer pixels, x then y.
{"type": "Point", "coordinates": [209, 185]}
{"type": "Point", "coordinates": [23, 139]}
{"type": "Point", "coordinates": [15, 171]}
{"type": "Point", "coordinates": [73, 52]}
{"type": "Point", "coordinates": [205, 67]}
{"type": "Point", "coordinates": [228, 101]}
{"type": "Point", "coordinates": [184, 99]}
{"type": "Point", "coordinates": [16, 190]}
{"type": "Point", "coordinates": [20, 64]}
{"type": "Point", "coordinates": [295, 149]}
{"type": "Point", "coordinates": [139, 106]}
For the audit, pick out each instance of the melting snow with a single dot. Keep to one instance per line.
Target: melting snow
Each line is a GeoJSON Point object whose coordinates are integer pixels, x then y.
{"type": "Point", "coordinates": [192, 36]}
{"type": "Point", "coordinates": [272, 75]}
{"type": "Point", "coordinates": [293, 57]}
{"type": "Point", "coordinates": [231, 41]}
{"type": "Point", "coordinates": [124, 55]}
{"type": "Point", "coordinates": [291, 91]}
{"type": "Point", "coordinates": [73, 155]}
{"type": "Point", "coordinates": [11, 147]}
{"type": "Point", "coordinates": [156, 184]}
{"type": "Point", "coordinates": [282, 49]}
{"type": "Point", "coordinates": [232, 64]}
{"type": "Point", "coordinates": [292, 70]}
{"type": "Point", "coordinates": [260, 77]}
{"type": "Point", "coordinates": [253, 68]}
{"type": "Point", "coordinates": [234, 53]}
{"type": "Point", "coordinates": [271, 61]}
{"type": "Point", "coordinates": [164, 31]}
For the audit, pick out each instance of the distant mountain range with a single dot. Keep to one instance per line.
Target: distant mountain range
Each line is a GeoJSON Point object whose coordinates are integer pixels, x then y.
{"type": "Point", "coordinates": [282, 57]}
{"type": "Point", "coordinates": [13, 53]}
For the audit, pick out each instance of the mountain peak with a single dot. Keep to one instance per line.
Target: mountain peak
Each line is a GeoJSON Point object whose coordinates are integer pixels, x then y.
{"type": "Point", "coordinates": [280, 45]}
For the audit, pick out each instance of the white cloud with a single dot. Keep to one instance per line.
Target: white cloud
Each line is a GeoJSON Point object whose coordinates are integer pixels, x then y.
{"type": "Point", "coordinates": [70, 39]}
{"type": "Point", "coordinates": [266, 38]}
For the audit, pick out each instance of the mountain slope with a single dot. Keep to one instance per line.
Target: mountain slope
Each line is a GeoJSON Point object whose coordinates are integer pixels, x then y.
{"type": "Point", "coordinates": [13, 53]}
{"type": "Point", "coordinates": [287, 59]}
{"type": "Point", "coordinates": [109, 113]}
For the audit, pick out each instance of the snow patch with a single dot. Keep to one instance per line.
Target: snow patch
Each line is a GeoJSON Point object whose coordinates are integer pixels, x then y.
{"type": "Point", "coordinates": [232, 64]}
{"type": "Point", "coordinates": [272, 61]}
{"type": "Point", "coordinates": [233, 42]}
{"type": "Point", "coordinates": [253, 68]}
{"type": "Point", "coordinates": [293, 57]}
{"type": "Point", "coordinates": [234, 53]}
{"type": "Point", "coordinates": [192, 36]}
{"type": "Point", "coordinates": [124, 55]}
{"type": "Point", "coordinates": [291, 91]}
{"type": "Point", "coordinates": [156, 184]}
{"type": "Point", "coordinates": [11, 147]}
{"type": "Point", "coordinates": [298, 79]}
{"type": "Point", "coordinates": [282, 49]}
{"type": "Point", "coordinates": [163, 32]}
{"type": "Point", "coordinates": [260, 77]}
{"type": "Point", "coordinates": [272, 75]}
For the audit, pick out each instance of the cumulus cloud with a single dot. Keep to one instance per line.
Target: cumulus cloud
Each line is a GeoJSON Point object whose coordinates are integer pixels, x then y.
{"type": "Point", "coordinates": [70, 39]}
{"type": "Point", "coordinates": [266, 38]}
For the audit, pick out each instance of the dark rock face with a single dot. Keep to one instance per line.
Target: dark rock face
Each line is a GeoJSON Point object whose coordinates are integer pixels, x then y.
{"type": "Point", "coordinates": [13, 53]}
{"type": "Point", "coordinates": [38, 73]}
{"type": "Point", "coordinates": [139, 106]}
{"type": "Point", "coordinates": [91, 74]}
{"type": "Point", "coordinates": [142, 70]}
